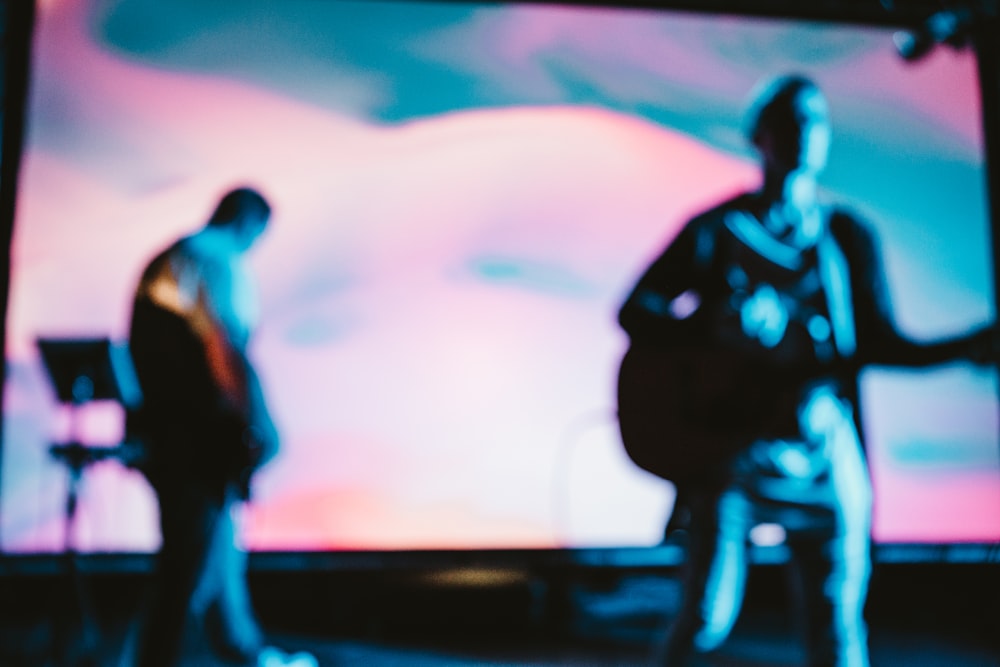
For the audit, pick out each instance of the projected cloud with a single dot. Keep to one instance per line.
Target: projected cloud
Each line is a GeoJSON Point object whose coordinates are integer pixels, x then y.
{"type": "Point", "coordinates": [462, 196]}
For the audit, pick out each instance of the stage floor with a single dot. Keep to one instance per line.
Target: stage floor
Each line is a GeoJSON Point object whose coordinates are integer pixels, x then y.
{"type": "Point", "coordinates": [942, 616]}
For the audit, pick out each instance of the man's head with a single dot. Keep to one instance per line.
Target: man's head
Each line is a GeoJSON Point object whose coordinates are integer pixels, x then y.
{"type": "Point", "coordinates": [243, 212]}
{"type": "Point", "coordinates": [790, 125]}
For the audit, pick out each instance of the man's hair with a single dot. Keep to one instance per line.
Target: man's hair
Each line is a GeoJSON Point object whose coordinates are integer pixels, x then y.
{"type": "Point", "coordinates": [237, 204]}
{"type": "Point", "coordinates": [773, 97]}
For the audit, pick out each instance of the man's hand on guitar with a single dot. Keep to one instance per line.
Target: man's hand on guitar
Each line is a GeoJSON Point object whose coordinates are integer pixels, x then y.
{"type": "Point", "coordinates": [764, 316]}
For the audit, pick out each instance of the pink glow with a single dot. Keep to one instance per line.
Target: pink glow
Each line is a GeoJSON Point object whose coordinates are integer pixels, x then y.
{"type": "Point", "coordinates": [633, 55]}
{"type": "Point", "coordinates": [626, 51]}
{"type": "Point", "coordinates": [324, 519]}
{"type": "Point", "coordinates": [424, 402]}
{"type": "Point", "coordinates": [929, 90]}
{"type": "Point", "coordinates": [401, 211]}
{"type": "Point", "coordinates": [937, 507]}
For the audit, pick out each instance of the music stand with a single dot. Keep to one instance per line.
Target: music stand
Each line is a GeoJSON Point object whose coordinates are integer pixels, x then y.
{"type": "Point", "coordinates": [83, 370]}
{"type": "Point", "coordinates": [89, 369]}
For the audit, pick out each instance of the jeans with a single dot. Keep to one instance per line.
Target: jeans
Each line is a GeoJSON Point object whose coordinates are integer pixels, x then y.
{"type": "Point", "coordinates": [829, 544]}
{"type": "Point", "coordinates": [200, 579]}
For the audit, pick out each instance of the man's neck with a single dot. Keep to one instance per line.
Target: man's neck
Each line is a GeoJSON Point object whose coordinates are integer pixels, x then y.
{"type": "Point", "coordinates": [790, 207]}
{"type": "Point", "coordinates": [792, 190]}
{"type": "Point", "coordinates": [217, 241]}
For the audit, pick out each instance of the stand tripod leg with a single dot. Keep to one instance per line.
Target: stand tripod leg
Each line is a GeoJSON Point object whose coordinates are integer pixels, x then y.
{"type": "Point", "coordinates": [75, 637]}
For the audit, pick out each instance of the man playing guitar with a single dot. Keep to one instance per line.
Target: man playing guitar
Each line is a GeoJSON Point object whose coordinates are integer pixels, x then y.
{"type": "Point", "coordinates": [206, 429]}
{"type": "Point", "coordinates": [740, 384]}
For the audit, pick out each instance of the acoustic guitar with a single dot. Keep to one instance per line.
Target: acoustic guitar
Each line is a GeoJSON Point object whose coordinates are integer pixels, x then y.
{"type": "Point", "coordinates": [687, 407]}
{"type": "Point", "coordinates": [683, 410]}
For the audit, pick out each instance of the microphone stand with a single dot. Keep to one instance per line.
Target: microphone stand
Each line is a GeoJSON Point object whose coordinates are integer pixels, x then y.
{"type": "Point", "coordinates": [82, 371]}
{"type": "Point", "coordinates": [75, 640]}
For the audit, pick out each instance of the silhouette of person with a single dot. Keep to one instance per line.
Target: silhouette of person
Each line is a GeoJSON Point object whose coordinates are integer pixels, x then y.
{"type": "Point", "coordinates": [206, 429]}
{"type": "Point", "coordinates": [791, 290]}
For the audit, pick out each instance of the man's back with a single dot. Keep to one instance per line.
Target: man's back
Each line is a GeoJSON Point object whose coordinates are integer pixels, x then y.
{"type": "Point", "coordinates": [189, 425]}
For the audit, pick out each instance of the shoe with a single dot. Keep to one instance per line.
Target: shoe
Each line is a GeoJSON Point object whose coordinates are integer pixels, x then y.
{"type": "Point", "coordinates": [270, 656]}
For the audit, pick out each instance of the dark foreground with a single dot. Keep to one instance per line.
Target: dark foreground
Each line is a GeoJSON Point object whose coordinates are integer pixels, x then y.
{"type": "Point", "coordinates": [433, 614]}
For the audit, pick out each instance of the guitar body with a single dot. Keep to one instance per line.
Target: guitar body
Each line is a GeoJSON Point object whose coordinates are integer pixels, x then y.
{"type": "Point", "coordinates": [734, 369]}
{"type": "Point", "coordinates": [681, 409]}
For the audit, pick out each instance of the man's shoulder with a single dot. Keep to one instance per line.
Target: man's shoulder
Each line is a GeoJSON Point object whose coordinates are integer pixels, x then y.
{"type": "Point", "coordinates": [706, 224]}
{"type": "Point", "coordinates": [202, 254]}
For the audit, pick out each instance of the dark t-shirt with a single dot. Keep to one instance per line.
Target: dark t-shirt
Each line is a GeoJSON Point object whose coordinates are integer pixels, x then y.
{"type": "Point", "coordinates": [834, 323]}
{"type": "Point", "coordinates": [187, 429]}
{"type": "Point", "coordinates": [693, 259]}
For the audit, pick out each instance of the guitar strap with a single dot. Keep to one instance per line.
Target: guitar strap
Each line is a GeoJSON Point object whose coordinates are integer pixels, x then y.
{"type": "Point", "coordinates": [747, 229]}
{"type": "Point", "coordinates": [833, 270]}
{"type": "Point", "coordinates": [835, 276]}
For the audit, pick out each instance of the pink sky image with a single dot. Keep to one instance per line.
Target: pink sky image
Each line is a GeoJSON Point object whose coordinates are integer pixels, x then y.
{"type": "Point", "coordinates": [438, 300]}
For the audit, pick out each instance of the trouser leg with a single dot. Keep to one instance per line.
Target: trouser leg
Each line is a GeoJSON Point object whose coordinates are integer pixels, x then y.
{"type": "Point", "coordinates": [835, 568]}
{"type": "Point", "coordinates": [714, 576]}
{"type": "Point", "coordinates": [188, 520]}
{"type": "Point", "coordinates": [680, 518]}
{"type": "Point", "coordinates": [834, 573]}
{"type": "Point", "coordinates": [232, 625]}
